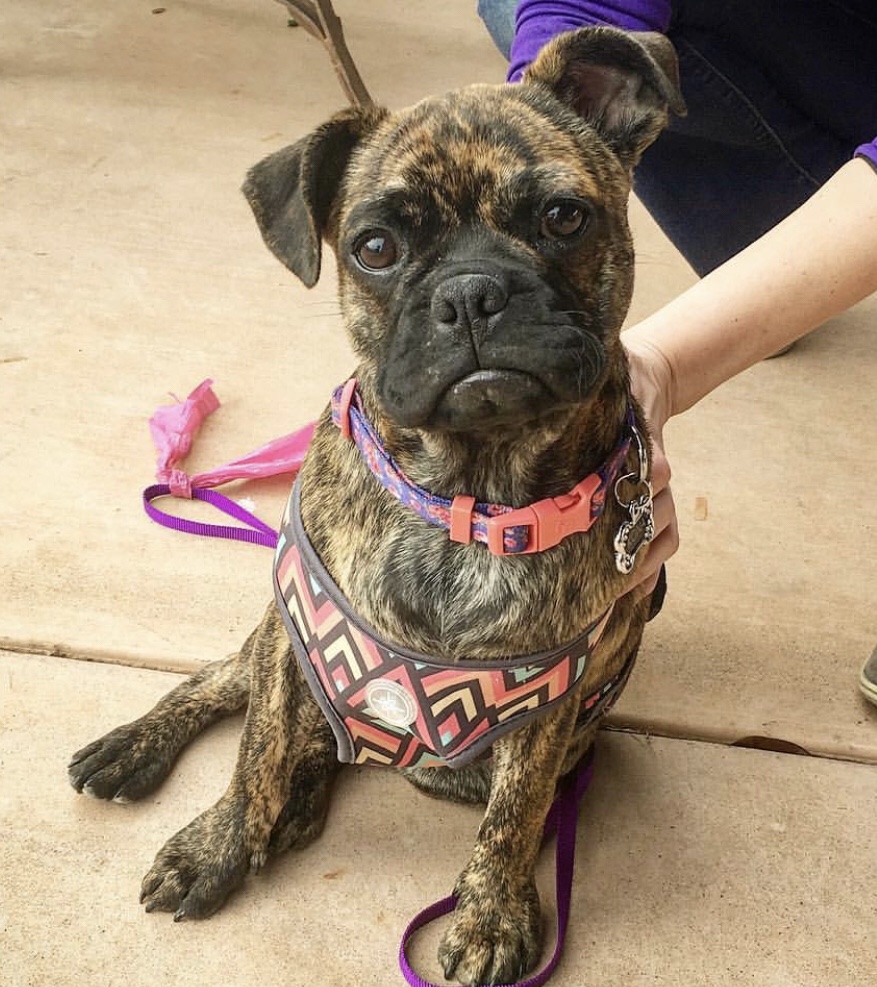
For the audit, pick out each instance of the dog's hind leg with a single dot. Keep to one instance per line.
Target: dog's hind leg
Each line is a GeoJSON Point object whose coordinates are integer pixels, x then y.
{"type": "Point", "coordinates": [469, 785]}
{"type": "Point", "coordinates": [302, 818]}
{"type": "Point", "coordinates": [132, 760]}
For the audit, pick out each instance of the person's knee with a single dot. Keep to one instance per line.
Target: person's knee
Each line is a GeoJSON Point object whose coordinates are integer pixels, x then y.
{"type": "Point", "coordinates": [499, 19]}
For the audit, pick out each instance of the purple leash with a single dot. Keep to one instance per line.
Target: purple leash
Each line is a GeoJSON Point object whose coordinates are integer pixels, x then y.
{"type": "Point", "coordinates": [256, 532]}
{"type": "Point", "coordinates": [174, 428]}
{"type": "Point", "coordinates": [562, 819]}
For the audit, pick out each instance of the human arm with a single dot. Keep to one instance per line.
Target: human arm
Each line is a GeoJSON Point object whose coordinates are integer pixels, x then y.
{"type": "Point", "coordinates": [815, 264]}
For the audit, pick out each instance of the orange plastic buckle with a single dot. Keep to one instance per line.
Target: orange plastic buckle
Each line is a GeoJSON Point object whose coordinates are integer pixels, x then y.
{"type": "Point", "coordinates": [461, 518]}
{"type": "Point", "coordinates": [550, 520]}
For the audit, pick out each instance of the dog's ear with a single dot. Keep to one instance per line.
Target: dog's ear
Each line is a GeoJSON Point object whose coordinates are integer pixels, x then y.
{"type": "Point", "coordinates": [292, 191]}
{"type": "Point", "coordinates": [624, 84]}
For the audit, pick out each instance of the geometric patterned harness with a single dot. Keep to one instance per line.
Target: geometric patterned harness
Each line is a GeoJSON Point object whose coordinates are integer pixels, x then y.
{"type": "Point", "coordinates": [394, 707]}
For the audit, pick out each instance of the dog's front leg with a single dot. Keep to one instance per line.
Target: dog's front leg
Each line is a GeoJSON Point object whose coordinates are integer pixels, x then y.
{"type": "Point", "coordinates": [196, 869]}
{"type": "Point", "coordinates": [495, 935]}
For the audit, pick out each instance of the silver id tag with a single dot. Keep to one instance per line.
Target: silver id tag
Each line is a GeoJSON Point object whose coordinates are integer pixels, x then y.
{"type": "Point", "coordinates": [635, 533]}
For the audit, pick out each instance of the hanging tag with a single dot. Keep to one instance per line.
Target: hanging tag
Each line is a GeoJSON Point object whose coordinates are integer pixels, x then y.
{"type": "Point", "coordinates": [640, 529]}
{"type": "Point", "coordinates": [635, 533]}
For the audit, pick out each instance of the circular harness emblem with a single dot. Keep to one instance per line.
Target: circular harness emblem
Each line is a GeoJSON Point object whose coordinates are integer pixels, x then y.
{"type": "Point", "coordinates": [390, 702]}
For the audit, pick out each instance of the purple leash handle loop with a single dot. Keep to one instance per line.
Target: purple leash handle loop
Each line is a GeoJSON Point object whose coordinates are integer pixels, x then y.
{"type": "Point", "coordinates": [256, 532]}
{"type": "Point", "coordinates": [562, 819]}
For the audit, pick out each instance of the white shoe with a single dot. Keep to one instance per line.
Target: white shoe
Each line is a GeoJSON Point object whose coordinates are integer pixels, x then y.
{"type": "Point", "coordinates": [868, 679]}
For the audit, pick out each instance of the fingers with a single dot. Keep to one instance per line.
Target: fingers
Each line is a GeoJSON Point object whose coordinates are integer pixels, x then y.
{"type": "Point", "coordinates": [661, 549]}
{"type": "Point", "coordinates": [662, 546]}
{"type": "Point", "coordinates": [651, 382]}
{"type": "Point", "coordinates": [663, 513]}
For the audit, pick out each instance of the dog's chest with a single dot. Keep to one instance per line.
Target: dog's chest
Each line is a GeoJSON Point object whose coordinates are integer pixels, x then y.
{"type": "Point", "coordinates": [432, 595]}
{"type": "Point", "coordinates": [419, 589]}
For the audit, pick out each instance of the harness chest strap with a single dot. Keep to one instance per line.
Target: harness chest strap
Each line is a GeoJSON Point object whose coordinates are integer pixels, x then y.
{"type": "Point", "coordinates": [390, 706]}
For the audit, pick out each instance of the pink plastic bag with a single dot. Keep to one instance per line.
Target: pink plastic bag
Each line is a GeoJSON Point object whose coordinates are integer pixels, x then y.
{"type": "Point", "coordinates": [174, 427]}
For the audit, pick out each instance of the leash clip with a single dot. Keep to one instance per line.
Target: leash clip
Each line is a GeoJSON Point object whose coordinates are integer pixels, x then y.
{"type": "Point", "coordinates": [549, 521]}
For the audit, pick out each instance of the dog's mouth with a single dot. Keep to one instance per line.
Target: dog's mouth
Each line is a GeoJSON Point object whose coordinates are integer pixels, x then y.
{"type": "Point", "coordinates": [485, 398]}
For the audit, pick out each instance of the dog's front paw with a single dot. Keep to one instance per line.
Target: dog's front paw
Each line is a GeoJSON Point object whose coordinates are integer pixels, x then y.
{"type": "Point", "coordinates": [493, 939]}
{"type": "Point", "coordinates": [196, 870]}
{"type": "Point", "coordinates": [124, 765]}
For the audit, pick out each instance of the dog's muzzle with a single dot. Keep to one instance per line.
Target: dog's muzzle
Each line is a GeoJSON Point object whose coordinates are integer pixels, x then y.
{"type": "Point", "coordinates": [490, 344]}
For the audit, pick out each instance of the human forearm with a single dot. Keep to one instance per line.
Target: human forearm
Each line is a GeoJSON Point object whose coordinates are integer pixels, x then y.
{"type": "Point", "coordinates": [815, 264]}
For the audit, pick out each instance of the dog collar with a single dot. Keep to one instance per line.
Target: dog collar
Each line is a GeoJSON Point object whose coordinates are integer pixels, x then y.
{"type": "Point", "coordinates": [505, 530]}
{"type": "Point", "coordinates": [394, 707]}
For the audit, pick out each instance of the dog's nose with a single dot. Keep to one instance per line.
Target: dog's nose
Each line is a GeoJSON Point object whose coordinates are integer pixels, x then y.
{"type": "Point", "coordinates": [468, 302]}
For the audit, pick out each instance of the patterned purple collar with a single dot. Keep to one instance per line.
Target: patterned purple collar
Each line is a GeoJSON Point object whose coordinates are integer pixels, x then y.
{"type": "Point", "coordinates": [505, 530]}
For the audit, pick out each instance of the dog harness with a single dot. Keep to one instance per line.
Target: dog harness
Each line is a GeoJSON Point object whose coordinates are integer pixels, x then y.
{"type": "Point", "coordinates": [391, 706]}
{"type": "Point", "coordinates": [388, 705]}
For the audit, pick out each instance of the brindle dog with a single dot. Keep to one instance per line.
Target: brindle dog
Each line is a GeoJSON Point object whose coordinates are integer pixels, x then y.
{"type": "Point", "coordinates": [485, 267]}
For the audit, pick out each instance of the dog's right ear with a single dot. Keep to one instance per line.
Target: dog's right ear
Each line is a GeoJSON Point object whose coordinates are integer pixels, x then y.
{"type": "Point", "coordinates": [292, 191]}
{"type": "Point", "coordinates": [625, 84]}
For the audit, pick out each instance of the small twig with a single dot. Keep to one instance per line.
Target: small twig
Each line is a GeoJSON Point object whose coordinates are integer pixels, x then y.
{"type": "Point", "coordinates": [319, 19]}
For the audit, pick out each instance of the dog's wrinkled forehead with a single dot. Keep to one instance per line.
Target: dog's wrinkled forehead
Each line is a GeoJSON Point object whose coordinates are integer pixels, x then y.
{"type": "Point", "coordinates": [571, 132]}
{"type": "Point", "coordinates": [468, 151]}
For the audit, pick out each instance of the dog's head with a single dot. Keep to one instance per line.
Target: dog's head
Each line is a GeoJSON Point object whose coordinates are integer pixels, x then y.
{"type": "Point", "coordinates": [484, 259]}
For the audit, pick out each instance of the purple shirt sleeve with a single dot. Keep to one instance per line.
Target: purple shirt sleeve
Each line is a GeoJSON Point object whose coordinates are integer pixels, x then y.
{"type": "Point", "coordinates": [869, 152]}
{"type": "Point", "coordinates": [538, 21]}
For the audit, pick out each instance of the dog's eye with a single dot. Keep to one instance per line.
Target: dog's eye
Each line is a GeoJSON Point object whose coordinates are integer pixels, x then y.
{"type": "Point", "coordinates": [561, 220]}
{"type": "Point", "coordinates": [375, 250]}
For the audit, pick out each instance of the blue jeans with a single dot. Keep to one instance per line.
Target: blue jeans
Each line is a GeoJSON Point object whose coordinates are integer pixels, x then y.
{"type": "Point", "coordinates": [779, 96]}
{"type": "Point", "coordinates": [499, 19]}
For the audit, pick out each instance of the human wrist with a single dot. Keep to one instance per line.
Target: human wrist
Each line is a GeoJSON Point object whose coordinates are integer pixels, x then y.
{"type": "Point", "coordinates": [653, 378]}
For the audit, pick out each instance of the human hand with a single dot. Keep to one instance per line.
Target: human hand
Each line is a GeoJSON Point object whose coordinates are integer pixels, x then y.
{"type": "Point", "coordinates": [651, 383]}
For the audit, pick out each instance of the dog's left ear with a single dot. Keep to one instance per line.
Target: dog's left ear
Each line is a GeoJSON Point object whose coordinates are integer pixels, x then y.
{"type": "Point", "coordinates": [623, 83]}
{"type": "Point", "coordinates": [292, 191]}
